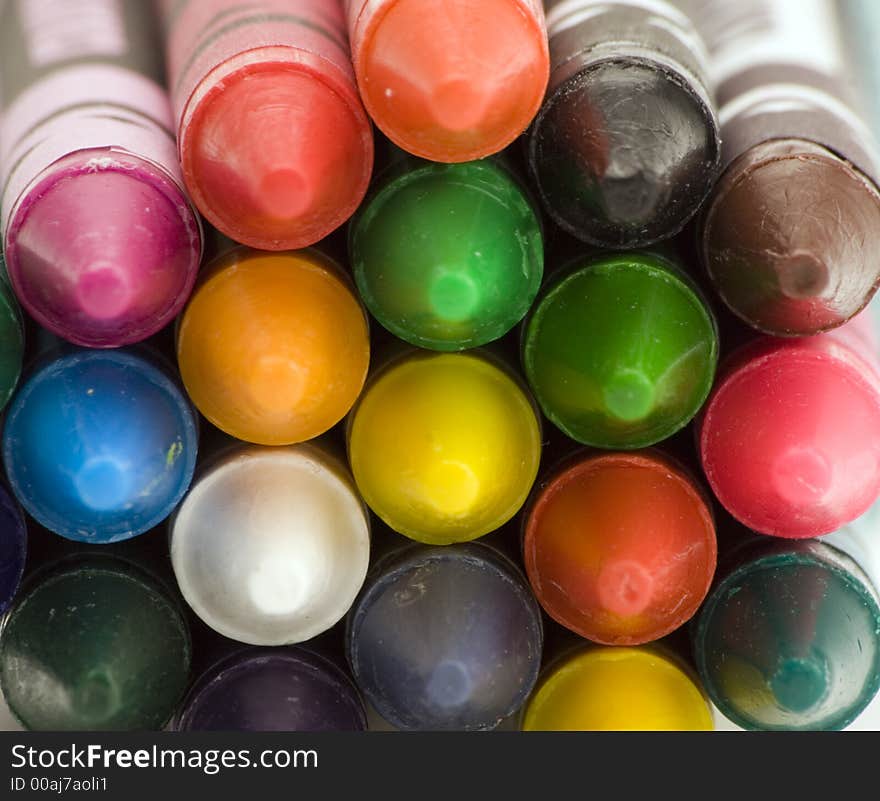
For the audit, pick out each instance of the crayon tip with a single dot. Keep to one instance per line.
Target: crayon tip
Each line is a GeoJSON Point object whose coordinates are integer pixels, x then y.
{"type": "Point", "coordinates": [800, 684]}
{"type": "Point", "coordinates": [454, 296]}
{"type": "Point", "coordinates": [452, 487]}
{"type": "Point", "coordinates": [629, 395]}
{"type": "Point", "coordinates": [458, 104]}
{"type": "Point", "coordinates": [450, 684]}
{"type": "Point", "coordinates": [284, 193]}
{"type": "Point", "coordinates": [802, 275]}
{"type": "Point", "coordinates": [98, 698]}
{"type": "Point", "coordinates": [276, 383]}
{"type": "Point", "coordinates": [801, 475]}
{"type": "Point", "coordinates": [103, 291]}
{"type": "Point", "coordinates": [633, 196]}
{"type": "Point", "coordinates": [277, 160]}
{"type": "Point", "coordinates": [102, 483]}
{"type": "Point", "coordinates": [625, 588]}
{"type": "Point", "coordinates": [105, 250]}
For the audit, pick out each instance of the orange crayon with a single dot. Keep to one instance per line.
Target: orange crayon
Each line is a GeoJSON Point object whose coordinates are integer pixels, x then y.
{"type": "Point", "coordinates": [450, 80]}
{"type": "Point", "coordinates": [273, 347]}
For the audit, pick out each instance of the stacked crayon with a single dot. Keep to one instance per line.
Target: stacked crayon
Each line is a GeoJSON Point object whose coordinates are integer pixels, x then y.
{"type": "Point", "coordinates": [550, 402]}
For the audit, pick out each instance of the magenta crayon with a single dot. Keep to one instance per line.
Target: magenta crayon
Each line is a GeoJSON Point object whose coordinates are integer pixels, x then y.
{"type": "Point", "coordinates": [102, 245]}
{"type": "Point", "coordinates": [275, 145]}
{"type": "Point", "coordinates": [790, 436]}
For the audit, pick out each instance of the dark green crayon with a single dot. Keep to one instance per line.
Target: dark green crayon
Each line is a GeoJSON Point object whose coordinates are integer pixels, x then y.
{"type": "Point", "coordinates": [94, 643]}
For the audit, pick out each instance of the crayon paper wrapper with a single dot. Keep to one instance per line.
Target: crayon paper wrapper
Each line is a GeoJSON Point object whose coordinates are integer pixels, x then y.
{"type": "Point", "coordinates": [605, 27]}
{"type": "Point", "coordinates": [204, 35]}
{"type": "Point", "coordinates": [781, 72]}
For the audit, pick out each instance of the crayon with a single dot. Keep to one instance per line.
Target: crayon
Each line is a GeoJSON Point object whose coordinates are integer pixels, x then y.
{"type": "Point", "coordinates": [260, 689]}
{"type": "Point", "coordinates": [102, 245]}
{"type": "Point", "coordinates": [444, 447]}
{"type": "Point", "coordinates": [790, 438]}
{"type": "Point", "coordinates": [271, 545]}
{"type": "Point", "coordinates": [789, 232]}
{"type": "Point", "coordinates": [618, 689]}
{"type": "Point", "coordinates": [447, 256]}
{"type": "Point", "coordinates": [445, 638]}
{"type": "Point", "coordinates": [450, 80]}
{"type": "Point", "coordinates": [11, 340]}
{"type": "Point", "coordinates": [621, 350]}
{"type": "Point", "coordinates": [273, 348]}
{"type": "Point", "coordinates": [620, 547]}
{"type": "Point", "coordinates": [13, 548]}
{"type": "Point", "coordinates": [789, 637]}
{"type": "Point", "coordinates": [94, 643]}
{"type": "Point", "coordinates": [275, 145]}
{"type": "Point", "coordinates": [100, 445]}
{"type": "Point", "coordinates": [626, 145]}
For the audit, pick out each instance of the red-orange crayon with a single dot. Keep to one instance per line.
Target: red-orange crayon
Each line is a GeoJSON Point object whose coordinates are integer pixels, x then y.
{"type": "Point", "coordinates": [620, 547]}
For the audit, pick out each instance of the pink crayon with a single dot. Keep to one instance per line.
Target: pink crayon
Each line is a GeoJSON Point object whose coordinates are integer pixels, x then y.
{"type": "Point", "coordinates": [102, 245]}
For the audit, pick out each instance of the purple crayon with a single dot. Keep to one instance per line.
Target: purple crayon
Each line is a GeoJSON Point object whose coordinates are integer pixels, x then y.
{"type": "Point", "coordinates": [278, 689]}
{"type": "Point", "coordinates": [102, 245]}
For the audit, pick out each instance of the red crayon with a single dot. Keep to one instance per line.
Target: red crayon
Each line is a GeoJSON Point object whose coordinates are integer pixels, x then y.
{"type": "Point", "coordinates": [275, 145]}
{"type": "Point", "coordinates": [790, 437]}
{"type": "Point", "coordinates": [620, 547]}
{"type": "Point", "coordinates": [450, 80]}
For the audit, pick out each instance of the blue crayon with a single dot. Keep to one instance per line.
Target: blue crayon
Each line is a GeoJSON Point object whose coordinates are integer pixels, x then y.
{"type": "Point", "coordinates": [100, 445]}
{"type": "Point", "coordinates": [13, 548]}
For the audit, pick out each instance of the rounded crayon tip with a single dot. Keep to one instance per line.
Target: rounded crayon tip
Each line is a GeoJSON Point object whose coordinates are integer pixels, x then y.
{"type": "Point", "coordinates": [428, 273]}
{"type": "Point", "coordinates": [450, 684]}
{"type": "Point", "coordinates": [103, 291]}
{"type": "Point", "coordinates": [802, 275]}
{"type": "Point", "coordinates": [629, 395]}
{"type": "Point", "coordinates": [452, 486]}
{"type": "Point", "coordinates": [98, 698]}
{"type": "Point", "coordinates": [645, 362]}
{"type": "Point", "coordinates": [802, 475]}
{"type": "Point", "coordinates": [800, 684]}
{"type": "Point", "coordinates": [284, 193]}
{"type": "Point", "coordinates": [458, 104]}
{"type": "Point", "coordinates": [278, 159]}
{"type": "Point", "coordinates": [625, 588]}
{"type": "Point", "coordinates": [789, 637]}
{"type": "Point", "coordinates": [617, 689]}
{"type": "Point", "coordinates": [777, 274]}
{"type": "Point", "coordinates": [454, 296]}
{"type": "Point", "coordinates": [624, 151]}
{"type": "Point", "coordinates": [102, 483]}
{"type": "Point", "coordinates": [104, 249]}
{"type": "Point", "coordinates": [444, 447]}
{"type": "Point", "coordinates": [275, 383]}
{"type": "Point", "coordinates": [459, 88]}
{"type": "Point", "coordinates": [620, 548]}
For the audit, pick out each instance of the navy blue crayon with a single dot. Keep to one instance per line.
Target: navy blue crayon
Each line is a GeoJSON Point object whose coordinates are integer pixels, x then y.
{"type": "Point", "coordinates": [445, 638]}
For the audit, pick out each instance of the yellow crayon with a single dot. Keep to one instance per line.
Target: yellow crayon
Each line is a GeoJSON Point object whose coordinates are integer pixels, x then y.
{"type": "Point", "coordinates": [444, 447]}
{"type": "Point", "coordinates": [618, 689]}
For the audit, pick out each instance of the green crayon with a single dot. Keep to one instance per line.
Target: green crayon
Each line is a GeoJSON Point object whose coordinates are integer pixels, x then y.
{"type": "Point", "coordinates": [621, 351]}
{"type": "Point", "coordinates": [447, 256]}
